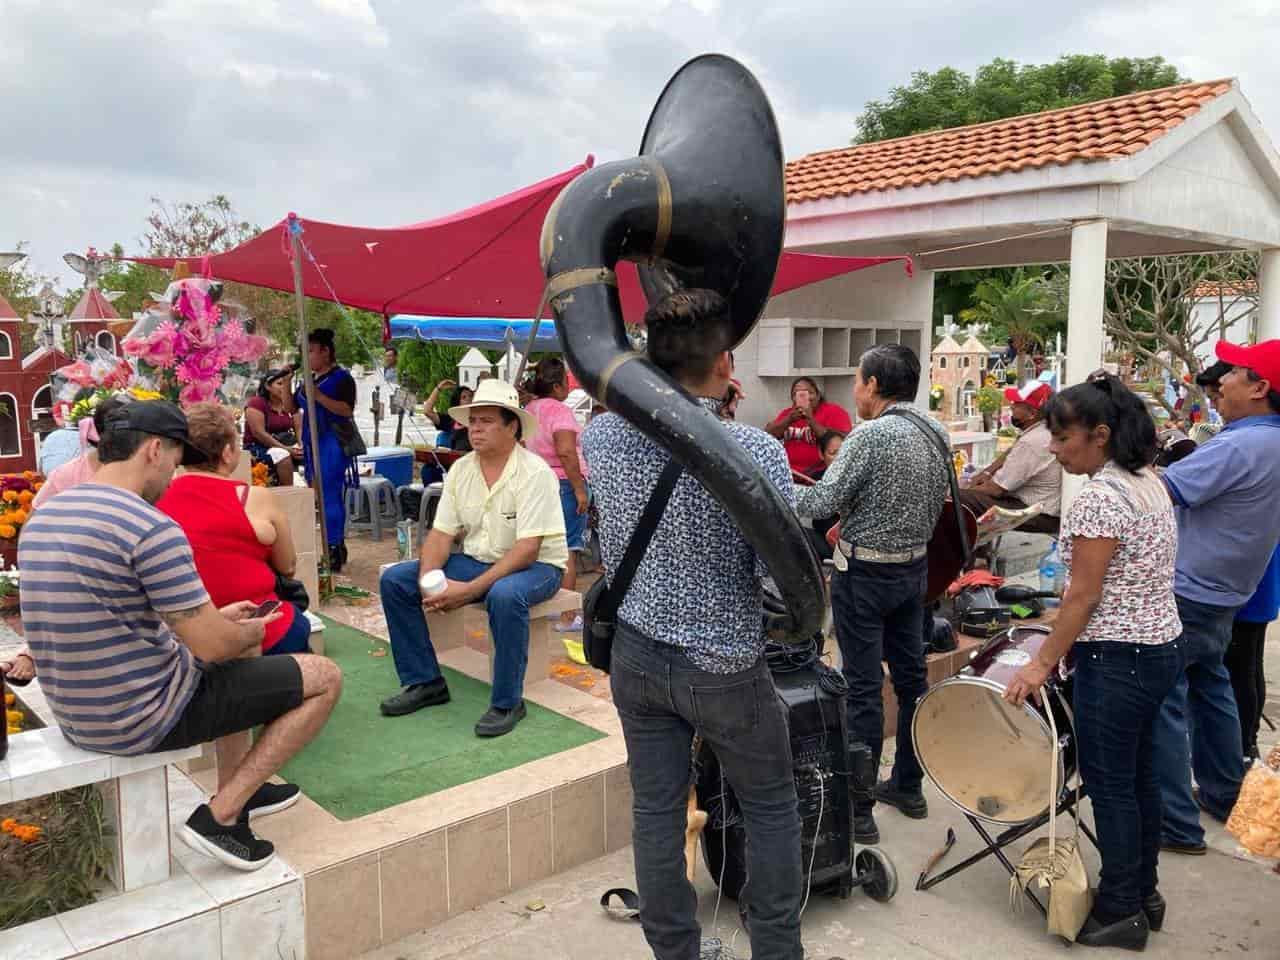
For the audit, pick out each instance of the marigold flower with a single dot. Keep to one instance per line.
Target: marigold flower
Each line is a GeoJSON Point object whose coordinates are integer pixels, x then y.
{"type": "Point", "coordinates": [8, 531]}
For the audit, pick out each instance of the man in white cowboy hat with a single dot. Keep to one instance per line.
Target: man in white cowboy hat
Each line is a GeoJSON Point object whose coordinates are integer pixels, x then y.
{"type": "Point", "coordinates": [1028, 473]}
{"type": "Point", "coordinates": [503, 503]}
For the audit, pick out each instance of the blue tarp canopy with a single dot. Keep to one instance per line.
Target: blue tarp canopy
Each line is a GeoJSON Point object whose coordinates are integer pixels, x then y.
{"type": "Point", "coordinates": [483, 332]}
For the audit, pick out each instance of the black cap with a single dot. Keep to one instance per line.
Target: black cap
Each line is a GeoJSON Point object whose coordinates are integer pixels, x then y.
{"type": "Point", "coordinates": [1210, 376]}
{"type": "Point", "coordinates": [157, 418]}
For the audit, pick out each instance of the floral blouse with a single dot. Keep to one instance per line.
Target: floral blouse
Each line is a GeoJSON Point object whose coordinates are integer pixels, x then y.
{"type": "Point", "coordinates": [1137, 603]}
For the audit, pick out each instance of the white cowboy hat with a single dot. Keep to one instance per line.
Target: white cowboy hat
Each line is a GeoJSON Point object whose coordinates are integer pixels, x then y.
{"type": "Point", "coordinates": [497, 393]}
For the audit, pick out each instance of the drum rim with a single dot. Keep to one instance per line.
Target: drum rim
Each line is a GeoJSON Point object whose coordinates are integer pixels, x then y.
{"type": "Point", "coordinates": [1000, 690]}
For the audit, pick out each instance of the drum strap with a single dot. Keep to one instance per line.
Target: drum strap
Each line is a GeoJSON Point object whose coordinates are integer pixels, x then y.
{"type": "Point", "coordinates": [1054, 760]}
{"type": "Point", "coordinates": [941, 446]}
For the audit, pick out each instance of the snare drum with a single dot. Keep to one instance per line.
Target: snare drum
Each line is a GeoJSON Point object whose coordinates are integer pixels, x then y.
{"type": "Point", "coordinates": [987, 756]}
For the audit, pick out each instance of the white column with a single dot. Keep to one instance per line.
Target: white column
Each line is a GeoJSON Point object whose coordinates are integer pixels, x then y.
{"type": "Point", "coordinates": [1269, 295]}
{"type": "Point", "coordinates": [1085, 333]}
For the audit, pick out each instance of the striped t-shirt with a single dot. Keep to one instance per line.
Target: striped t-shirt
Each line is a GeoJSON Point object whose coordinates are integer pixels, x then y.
{"type": "Point", "coordinates": [99, 566]}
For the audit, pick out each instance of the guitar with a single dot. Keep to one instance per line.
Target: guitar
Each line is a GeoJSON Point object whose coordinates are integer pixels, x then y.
{"type": "Point", "coordinates": [946, 553]}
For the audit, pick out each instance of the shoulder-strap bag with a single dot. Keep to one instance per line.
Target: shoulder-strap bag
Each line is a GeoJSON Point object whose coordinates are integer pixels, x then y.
{"type": "Point", "coordinates": [601, 602]}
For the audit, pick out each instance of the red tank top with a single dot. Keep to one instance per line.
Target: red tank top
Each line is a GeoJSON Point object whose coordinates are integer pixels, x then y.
{"type": "Point", "coordinates": [231, 561]}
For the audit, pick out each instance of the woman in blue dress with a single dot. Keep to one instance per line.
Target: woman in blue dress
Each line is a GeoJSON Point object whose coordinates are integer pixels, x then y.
{"type": "Point", "coordinates": [335, 405]}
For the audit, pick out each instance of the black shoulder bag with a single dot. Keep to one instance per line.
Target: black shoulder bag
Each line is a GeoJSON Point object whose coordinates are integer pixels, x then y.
{"type": "Point", "coordinates": [601, 601]}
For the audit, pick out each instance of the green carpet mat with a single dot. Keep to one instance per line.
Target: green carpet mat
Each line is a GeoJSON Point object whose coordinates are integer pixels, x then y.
{"type": "Point", "coordinates": [362, 762]}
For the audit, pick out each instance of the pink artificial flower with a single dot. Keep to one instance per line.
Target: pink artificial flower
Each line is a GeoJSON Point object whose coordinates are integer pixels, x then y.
{"type": "Point", "coordinates": [255, 348]}
{"type": "Point", "coordinates": [78, 373]}
{"type": "Point", "coordinates": [134, 346]}
{"type": "Point", "coordinates": [199, 391]}
{"type": "Point", "coordinates": [200, 365]}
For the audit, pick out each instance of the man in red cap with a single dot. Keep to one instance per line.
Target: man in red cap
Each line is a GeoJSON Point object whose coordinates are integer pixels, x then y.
{"type": "Point", "coordinates": [1228, 526]}
{"type": "Point", "coordinates": [1028, 472]}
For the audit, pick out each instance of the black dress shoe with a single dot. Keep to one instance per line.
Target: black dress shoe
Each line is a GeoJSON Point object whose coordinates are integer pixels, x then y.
{"type": "Point", "coordinates": [415, 697]}
{"type": "Point", "coordinates": [865, 830]}
{"type": "Point", "coordinates": [911, 802]}
{"type": "Point", "coordinates": [496, 722]}
{"type": "Point", "coordinates": [1154, 907]}
{"type": "Point", "coordinates": [1129, 933]}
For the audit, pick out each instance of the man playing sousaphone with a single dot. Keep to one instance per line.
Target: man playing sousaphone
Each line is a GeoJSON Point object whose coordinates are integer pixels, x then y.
{"type": "Point", "coordinates": [888, 483]}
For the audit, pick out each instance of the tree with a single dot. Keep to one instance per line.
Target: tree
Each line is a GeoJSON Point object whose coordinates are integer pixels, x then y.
{"type": "Point", "coordinates": [1025, 308]}
{"type": "Point", "coordinates": [1003, 88]}
{"type": "Point", "coordinates": [1148, 308]}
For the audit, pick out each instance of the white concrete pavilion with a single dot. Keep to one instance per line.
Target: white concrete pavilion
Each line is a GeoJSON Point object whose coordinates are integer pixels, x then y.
{"type": "Point", "coordinates": [1184, 169]}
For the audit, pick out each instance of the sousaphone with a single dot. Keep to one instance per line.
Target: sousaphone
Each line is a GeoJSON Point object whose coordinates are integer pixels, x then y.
{"type": "Point", "coordinates": [703, 205]}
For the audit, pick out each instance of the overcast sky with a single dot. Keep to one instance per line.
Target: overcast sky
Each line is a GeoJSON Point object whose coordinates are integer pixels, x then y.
{"type": "Point", "coordinates": [383, 112]}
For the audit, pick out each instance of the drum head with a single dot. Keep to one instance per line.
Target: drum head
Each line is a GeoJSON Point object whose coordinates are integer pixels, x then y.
{"type": "Point", "coordinates": [989, 758]}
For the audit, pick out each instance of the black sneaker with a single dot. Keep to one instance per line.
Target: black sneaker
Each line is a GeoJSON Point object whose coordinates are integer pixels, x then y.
{"type": "Point", "coordinates": [272, 798]}
{"type": "Point", "coordinates": [1186, 849]}
{"type": "Point", "coordinates": [414, 698]}
{"type": "Point", "coordinates": [496, 722]}
{"type": "Point", "coordinates": [865, 830]}
{"type": "Point", "coordinates": [911, 802]}
{"type": "Point", "coordinates": [236, 846]}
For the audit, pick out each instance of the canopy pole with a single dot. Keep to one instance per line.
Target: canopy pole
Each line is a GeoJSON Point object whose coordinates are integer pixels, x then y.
{"type": "Point", "coordinates": [309, 390]}
{"type": "Point", "coordinates": [533, 337]}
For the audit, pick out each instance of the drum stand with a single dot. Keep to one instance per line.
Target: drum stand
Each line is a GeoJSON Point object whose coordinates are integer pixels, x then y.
{"type": "Point", "coordinates": [995, 845]}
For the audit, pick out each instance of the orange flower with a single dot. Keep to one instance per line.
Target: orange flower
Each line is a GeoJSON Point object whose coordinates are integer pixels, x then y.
{"type": "Point", "coordinates": [10, 496]}
{"type": "Point", "coordinates": [37, 485]}
{"type": "Point", "coordinates": [9, 698]}
{"type": "Point", "coordinates": [8, 531]}
{"type": "Point", "coordinates": [8, 824]}
{"type": "Point", "coordinates": [17, 517]}
{"type": "Point", "coordinates": [27, 833]}
{"type": "Point", "coordinates": [25, 497]}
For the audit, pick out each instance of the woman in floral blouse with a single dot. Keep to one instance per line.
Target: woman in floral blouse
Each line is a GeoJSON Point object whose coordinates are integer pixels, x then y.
{"type": "Point", "coordinates": [1119, 542]}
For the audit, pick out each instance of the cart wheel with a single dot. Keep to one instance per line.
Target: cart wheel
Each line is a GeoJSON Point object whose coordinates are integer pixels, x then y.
{"type": "Point", "coordinates": [875, 869]}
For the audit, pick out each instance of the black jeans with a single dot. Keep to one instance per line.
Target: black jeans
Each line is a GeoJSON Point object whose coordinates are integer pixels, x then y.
{"type": "Point", "coordinates": [1243, 661]}
{"type": "Point", "coordinates": [663, 699]}
{"type": "Point", "coordinates": [1118, 691]}
{"type": "Point", "coordinates": [879, 613]}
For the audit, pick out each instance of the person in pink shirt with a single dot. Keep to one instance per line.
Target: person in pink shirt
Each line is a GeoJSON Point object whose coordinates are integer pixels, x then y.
{"type": "Point", "coordinates": [79, 469]}
{"type": "Point", "coordinates": [559, 442]}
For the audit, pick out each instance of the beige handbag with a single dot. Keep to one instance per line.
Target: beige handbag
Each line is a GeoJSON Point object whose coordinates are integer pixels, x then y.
{"type": "Point", "coordinates": [1056, 864]}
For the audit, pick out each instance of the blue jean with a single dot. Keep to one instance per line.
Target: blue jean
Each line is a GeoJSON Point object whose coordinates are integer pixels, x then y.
{"type": "Point", "coordinates": [508, 602]}
{"type": "Point", "coordinates": [1203, 706]}
{"type": "Point", "coordinates": [663, 699]}
{"type": "Point", "coordinates": [1118, 691]}
{"type": "Point", "coordinates": [575, 523]}
{"type": "Point", "coordinates": [879, 615]}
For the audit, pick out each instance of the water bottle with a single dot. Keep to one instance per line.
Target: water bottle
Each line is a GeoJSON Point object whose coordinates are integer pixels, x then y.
{"type": "Point", "coordinates": [1053, 574]}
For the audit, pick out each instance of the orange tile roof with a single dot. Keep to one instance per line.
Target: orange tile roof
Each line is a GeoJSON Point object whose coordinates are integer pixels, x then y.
{"type": "Point", "coordinates": [1103, 130]}
{"type": "Point", "coordinates": [1229, 289]}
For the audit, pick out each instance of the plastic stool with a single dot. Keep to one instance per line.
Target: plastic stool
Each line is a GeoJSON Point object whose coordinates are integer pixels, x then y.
{"type": "Point", "coordinates": [376, 498]}
{"type": "Point", "coordinates": [427, 510]}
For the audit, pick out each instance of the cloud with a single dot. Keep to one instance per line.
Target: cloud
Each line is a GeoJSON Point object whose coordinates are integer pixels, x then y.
{"type": "Point", "coordinates": [393, 111]}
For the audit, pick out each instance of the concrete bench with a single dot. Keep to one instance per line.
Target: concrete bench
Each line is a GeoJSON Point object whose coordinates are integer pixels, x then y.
{"type": "Point", "coordinates": [135, 795]}
{"type": "Point", "coordinates": [449, 630]}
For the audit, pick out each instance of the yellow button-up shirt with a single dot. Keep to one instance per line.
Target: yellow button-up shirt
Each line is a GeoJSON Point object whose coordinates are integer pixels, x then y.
{"type": "Point", "coordinates": [523, 503]}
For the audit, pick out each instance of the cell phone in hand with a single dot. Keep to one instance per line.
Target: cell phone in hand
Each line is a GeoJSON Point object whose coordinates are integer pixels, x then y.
{"type": "Point", "coordinates": [265, 609]}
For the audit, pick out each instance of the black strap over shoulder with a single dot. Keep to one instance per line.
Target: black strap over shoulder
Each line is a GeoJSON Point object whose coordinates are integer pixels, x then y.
{"type": "Point", "coordinates": [941, 446]}
{"type": "Point", "coordinates": [640, 538]}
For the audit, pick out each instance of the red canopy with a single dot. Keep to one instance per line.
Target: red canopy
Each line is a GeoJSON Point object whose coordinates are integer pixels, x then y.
{"type": "Point", "coordinates": [480, 262]}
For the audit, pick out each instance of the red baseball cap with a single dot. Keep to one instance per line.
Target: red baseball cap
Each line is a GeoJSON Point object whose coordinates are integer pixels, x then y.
{"type": "Point", "coordinates": [1033, 394]}
{"type": "Point", "coordinates": [1262, 358]}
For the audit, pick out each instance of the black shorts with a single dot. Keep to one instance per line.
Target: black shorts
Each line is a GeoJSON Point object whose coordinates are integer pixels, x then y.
{"type": "Point", "coordinates": [234, 696]}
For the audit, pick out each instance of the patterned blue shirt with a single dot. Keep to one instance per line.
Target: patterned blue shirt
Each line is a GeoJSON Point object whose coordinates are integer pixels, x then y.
{"type": "Point", "coordinates": [698, 587]}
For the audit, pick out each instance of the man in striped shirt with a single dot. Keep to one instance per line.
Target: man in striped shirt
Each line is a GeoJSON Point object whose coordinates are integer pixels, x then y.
{"type": "Point", "coordinates": [132, 656]}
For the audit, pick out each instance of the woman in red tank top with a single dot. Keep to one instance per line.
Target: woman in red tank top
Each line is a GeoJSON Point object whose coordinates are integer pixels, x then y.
{"type": "Point", "coordinates": [239, 536]}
